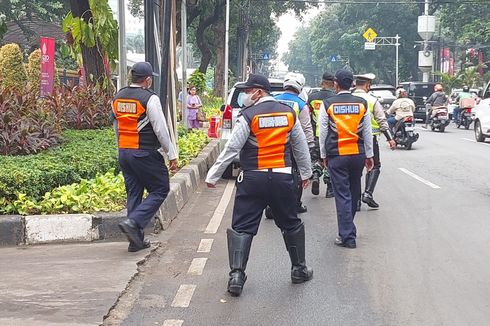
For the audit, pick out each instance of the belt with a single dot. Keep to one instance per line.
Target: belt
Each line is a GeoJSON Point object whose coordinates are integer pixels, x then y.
{"type": "Point", "coordinates": [287, 170]}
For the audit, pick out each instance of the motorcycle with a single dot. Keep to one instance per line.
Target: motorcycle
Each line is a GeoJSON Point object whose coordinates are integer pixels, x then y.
{"type": "Point", "coordinates": [404, 132]}
{"type": "Point", "coordinates": [439, 118]}
{"type": "Point", "coordinates": [465, 118]}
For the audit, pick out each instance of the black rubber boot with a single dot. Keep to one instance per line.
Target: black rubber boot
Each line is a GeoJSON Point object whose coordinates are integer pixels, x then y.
{"type": "Point", "coordinates": [315, 180]}
{"type": "Point", "coordinates": [371, 180]}
{"type": "Point", "coordinates": [238, 251]}
{"type": "Point", "coordinates": [329, 192]}
{"type": "Point", "coordinates": [295, 245]}
{"type": "Point", "coordinates": [358, 208]}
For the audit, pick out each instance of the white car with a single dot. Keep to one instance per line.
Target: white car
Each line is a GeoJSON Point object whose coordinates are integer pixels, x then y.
{"type": "Point", "coordinates": [482, 116]}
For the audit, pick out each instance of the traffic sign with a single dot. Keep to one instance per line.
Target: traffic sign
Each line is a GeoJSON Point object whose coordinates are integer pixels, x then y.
{"type": "Point", "coordinates": [266, 56]}
{"type": "Point", "coordinates": [370, 34]}
{"type": "Point", "coordinates": [333, 58]}
{"type": "Point", "coordinates": [369, 46]}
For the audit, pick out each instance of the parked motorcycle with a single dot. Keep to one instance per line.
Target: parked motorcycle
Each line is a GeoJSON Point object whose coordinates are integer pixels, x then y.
{"type": "Point", "coordinates": [439, 119]}
{"type": "Point", "coordinates": [404, 132]}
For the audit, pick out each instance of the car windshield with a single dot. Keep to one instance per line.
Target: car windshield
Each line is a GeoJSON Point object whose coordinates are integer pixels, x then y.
{"type": "Point", "coordinates": [382, 93]}
{"type": "Point", "coordinates": [420, 90]}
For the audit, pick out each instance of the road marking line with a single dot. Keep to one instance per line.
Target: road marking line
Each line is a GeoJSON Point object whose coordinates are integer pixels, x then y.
{"type": "Point", "coordinates": [215, 221]}
{"type": "Point", "coordinates": [184, 295]}
{"type": "Point", "coordinates": [413, 175]}
{"type": "Point", "coordinates": [474, 141]}
{"type": "Point", "coordinates": [197, 266]}
{"type": "Point", "coordinates": [205, 245]}
{"type": "Point", "coordinates": [173, 322]}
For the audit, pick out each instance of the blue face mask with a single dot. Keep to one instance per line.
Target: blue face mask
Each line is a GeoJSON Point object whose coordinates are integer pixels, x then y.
{"type": "Point", "coordinates": [240, 99]}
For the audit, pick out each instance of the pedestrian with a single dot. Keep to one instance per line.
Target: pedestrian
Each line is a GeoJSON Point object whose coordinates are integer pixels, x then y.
{"type": "Point", "coordinates": [193, 105]}
{"type": "Point", "coordinates": [346, 146]}
{"type": "Point", "coordinates": [315, 100]}
{"type": "Point", "coordinates": [141, 131]}
{"type": "Point", "coordinates": [267, 135]}
{"type": "Point", "coordinates": [379, 126]}
{"type": "Point", "coordinates": [293, 86]}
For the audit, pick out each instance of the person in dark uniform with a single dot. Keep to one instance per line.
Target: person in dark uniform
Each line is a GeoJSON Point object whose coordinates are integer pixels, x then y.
{"type": "Point", "coordinates": [267, 134]}
{"type": "Point", "coordinates": [315, 100]}
{"type": "Point", "coordinates": [346, 145]}
{"type": "Point", "coordinates": [141, 131]}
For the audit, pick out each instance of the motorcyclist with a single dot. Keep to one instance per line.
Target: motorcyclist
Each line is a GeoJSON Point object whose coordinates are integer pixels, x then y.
{"type": "Point", "coordinates": [464, 95]}
{"type": "Point", "coordinates": [436, 100]}
{"type": "Point", "coordinates": [315, 100]}
{"type": "Point", "coordinates": [401, 108]}
{"type": "Point", "coordinates": [379, 126]}
{"type": "Point", "coordinates": [293, 86]}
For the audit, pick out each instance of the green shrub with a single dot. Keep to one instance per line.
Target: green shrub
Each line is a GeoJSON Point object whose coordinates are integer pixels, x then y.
{"type": "Point", "coordinates": [104, 193]}
{"type": "Point", "coordinates": [34, 70]}
{"type": "Point", "coordinates": [82, 155]}
{"type": "Point", "coordinates": [190, 144]}
{"type": "Point", "coordinates": [211, 105]}
{"type": "Point", "coordinates": [198, 79]}
{"type": "Point", "coordinates": [12, 71]}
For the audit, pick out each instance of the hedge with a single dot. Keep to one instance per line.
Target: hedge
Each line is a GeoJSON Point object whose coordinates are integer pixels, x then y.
{"type": "Point", "coordinates": [82, 155]}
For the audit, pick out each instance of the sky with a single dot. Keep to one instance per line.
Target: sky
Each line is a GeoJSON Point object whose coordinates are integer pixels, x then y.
{"type": "Point", "coordinates": [289, 24]}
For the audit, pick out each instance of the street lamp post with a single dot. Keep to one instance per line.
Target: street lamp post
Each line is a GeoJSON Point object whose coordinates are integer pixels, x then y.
{"type": "Point", "coordinates": [227, 36]}
{"type": "Point", "coordinates": [122, 72]}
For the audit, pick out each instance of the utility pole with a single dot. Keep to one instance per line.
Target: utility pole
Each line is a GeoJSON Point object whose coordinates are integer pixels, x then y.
{"type": "Point", "coordinates": [122, 72]}
{"type": "Point", "coordinates": [227, 37]}
{"type": "Point", "coordinates": [397, 46]}
{"type": "Point", "coordinates": [426, 29]}
{"type": "Point", "coordinates": [183, 23]}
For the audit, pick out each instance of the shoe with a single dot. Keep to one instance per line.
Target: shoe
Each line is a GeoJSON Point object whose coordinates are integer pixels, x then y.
{"type": "Point", "coordinates": [133, 248]}
{"type": "Point", "coordinates": [315, 187]}
{"type": "Point", "coordinates": [132, 232]}
{"type": "Point", "coordinates": [340, 243]}
{"type": "Point", "coordinates": [238, 251]}
{"type": "Point", "coordinates": [329, 192]}
{"type": "Point", "coordinates": [295, 245]}
{"type": "Point", "coordinates": [302, 209]}
{"type": "Point", "coordinates": [368, 199]}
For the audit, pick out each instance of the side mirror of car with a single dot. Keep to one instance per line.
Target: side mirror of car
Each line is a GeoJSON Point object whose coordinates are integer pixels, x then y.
{"type": "Point", "coordinates": [222, 108]}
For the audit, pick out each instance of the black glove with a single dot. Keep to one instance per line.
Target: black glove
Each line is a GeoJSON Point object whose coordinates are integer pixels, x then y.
{"type": "Point", "coordinates": [314, 154]}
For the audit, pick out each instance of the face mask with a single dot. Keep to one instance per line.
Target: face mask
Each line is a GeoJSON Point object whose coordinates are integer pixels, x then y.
{"type": "Point", "coordinates": [245, 100]}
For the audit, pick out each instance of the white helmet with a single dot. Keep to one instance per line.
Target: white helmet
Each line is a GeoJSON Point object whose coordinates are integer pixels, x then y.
{"type": "Point", "coordinates": [295, 81]}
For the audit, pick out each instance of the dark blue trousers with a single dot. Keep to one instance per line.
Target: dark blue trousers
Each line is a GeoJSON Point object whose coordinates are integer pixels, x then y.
{"type": "Point", "coordinates": [258, 190]}
{"type": "Point", "coordinates": [144, 169]}
{"type": "Point", "coordinates": [345, 173]}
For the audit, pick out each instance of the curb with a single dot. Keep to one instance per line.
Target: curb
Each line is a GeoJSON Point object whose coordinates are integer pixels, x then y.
{"type": "Point", "coordinates": [39, 229]}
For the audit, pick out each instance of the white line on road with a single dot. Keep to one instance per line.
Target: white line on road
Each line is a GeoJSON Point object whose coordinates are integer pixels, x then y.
{"type": "Point", "coordinates": [474, 141]}
{"type": "Point", "coordinates": [416, 177]}
{"type": "Point", "coordinates": [215, 221]}
{"type": "Point", "coordinates": [205, 245]}
{"type": "Point", "coordinates": [173, 322]}
{"type": "Point", "coordinates": [197, 266]}
{"type": "Point", "coordinates": [184, 295]}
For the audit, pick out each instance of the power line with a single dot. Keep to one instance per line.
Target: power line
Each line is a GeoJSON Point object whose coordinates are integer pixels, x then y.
{"type": "Point", "coordinates": [406, 2]}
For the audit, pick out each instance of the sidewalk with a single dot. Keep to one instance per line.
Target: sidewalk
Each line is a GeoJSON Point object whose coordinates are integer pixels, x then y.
{"type": "Point", "coordinates": [70, 284]}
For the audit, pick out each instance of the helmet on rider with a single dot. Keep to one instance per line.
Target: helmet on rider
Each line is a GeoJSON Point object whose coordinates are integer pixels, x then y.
{"type": "Point", "coordinates": [401, 92]}
{"type": "Point", "coordinates": [294, 81]}
{"type": "Point", "coordinates": [466, 89]}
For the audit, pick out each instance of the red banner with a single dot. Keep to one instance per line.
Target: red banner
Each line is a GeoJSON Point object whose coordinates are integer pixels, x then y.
{"type": "Point", "coordinates": [47, 66]}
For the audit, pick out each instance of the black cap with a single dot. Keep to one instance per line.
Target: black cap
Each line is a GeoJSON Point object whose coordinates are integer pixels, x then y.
{"type": "Point", "coordinates": [256, 81]}
{"type": "Point", "coordinates": [328, 76]}
{"type": "Point", "coordinates": [344, 78]}
{"type": "Point", "coordinates": [142, 69]}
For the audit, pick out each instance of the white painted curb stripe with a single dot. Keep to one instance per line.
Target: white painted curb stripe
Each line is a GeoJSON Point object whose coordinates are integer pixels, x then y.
{"type": "Point", "coordinates": [205, 245]}
{"type": "Point", "coordinates": [215, 221]}
{"type": "Point", "coordinates": [197, 266]}
{"type": "Point", "coordinates": [184, 295]}
{"type": "Point", "coordinates": [416, 177]}
{"type": "Point", "coordinates": [173, 322]}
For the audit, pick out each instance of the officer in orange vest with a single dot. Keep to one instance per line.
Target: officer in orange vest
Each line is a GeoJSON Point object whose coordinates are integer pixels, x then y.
{"type": "Point", "coordinates": [346, 146]}
{"type": "Point", "coordinates": [141, 133]}
{"type": "Point", "coordinates": [266, 134]}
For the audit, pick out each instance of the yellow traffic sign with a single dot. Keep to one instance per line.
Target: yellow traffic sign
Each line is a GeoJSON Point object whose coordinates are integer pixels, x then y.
{"type": "Point", "coordinates": [370, 35]}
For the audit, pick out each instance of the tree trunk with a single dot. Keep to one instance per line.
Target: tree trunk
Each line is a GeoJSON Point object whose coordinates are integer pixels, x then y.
{"type": "Point", "coordinates": [201, 40]}
{"type": "Point", "coordinates": [219, 72]}
{"type": "Point", "coordinates": [93, 61]}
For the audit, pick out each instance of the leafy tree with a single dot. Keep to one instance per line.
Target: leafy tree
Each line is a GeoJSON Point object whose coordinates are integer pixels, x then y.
{"type": "Point", "coordinates": [13, 74]}
{"type": "Point", "coordinates": [92, 34]}
{"type": "Point", "coordinates": [22, 11]}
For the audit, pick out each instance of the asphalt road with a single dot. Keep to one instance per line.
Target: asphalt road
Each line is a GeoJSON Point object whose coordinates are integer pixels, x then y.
{"type": "Point", "coordinates": [422, 258]}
